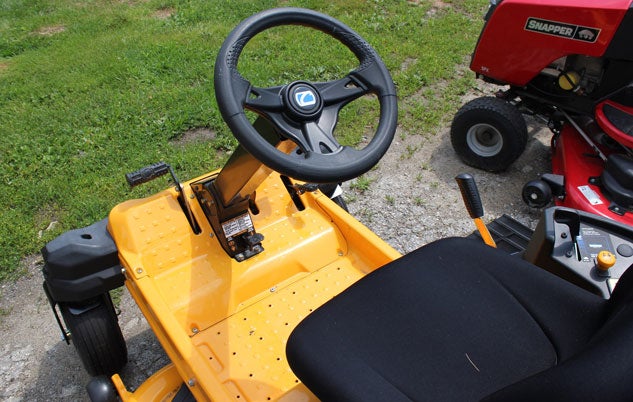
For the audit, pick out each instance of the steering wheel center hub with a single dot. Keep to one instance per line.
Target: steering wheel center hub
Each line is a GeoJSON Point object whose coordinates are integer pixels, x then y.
{"type": "Point", "coordinates": [303, 101]}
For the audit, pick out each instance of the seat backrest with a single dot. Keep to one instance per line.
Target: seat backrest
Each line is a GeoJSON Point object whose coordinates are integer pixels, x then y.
{"type": "Point", "coordinates": [601, 371]}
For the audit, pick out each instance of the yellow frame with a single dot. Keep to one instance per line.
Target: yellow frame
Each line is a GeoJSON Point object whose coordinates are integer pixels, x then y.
{"type": "Point", "coordinates": [223, 323]}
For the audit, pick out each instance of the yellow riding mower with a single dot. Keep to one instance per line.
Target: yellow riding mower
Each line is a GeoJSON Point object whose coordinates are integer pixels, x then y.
{"type": "Point", "coordinates": [260, 287]}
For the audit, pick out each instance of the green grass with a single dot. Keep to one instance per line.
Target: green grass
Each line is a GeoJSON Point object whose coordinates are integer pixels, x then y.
{"type": "Point", "coordinates": [361, 184]}
{"type": "Point", "coordinates": [92, 89]}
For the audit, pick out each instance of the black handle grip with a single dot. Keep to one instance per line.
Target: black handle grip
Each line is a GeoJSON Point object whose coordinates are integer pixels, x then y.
{"type": "Point", "coordinates": [470, 194]}
{"type": "Point", "coordinates": [147, 173]}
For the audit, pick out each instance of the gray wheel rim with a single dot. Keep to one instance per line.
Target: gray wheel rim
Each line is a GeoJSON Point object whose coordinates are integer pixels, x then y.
{"type": "Point", "coordinates": [484, 140]}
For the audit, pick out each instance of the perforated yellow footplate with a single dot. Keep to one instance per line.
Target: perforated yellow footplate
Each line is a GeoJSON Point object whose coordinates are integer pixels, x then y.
{"type": "Point", "coordinates": [223, 323]}
{"type": "Point", "coordinates": [248, 349]}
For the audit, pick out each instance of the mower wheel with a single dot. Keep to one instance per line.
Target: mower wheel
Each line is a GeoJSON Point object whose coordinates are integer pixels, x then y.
{"type": "Point", "coordinates": [537, 194]}
{"type": "Point", "coordinates": [95, 332]}
{"type": "Point", "coordinates": [489, 133]}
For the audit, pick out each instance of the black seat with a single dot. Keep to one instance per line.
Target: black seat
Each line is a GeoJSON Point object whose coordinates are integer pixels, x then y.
{"type": "Point", "coordinates": [460, 321]}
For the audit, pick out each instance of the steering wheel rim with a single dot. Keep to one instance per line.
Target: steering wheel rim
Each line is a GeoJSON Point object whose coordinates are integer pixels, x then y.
{"type": "Point", "coordinates": [305, 112]}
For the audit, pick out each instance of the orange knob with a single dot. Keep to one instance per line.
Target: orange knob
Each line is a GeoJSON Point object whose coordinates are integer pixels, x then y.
{"type": "Point", "coordinates": [605, 260]}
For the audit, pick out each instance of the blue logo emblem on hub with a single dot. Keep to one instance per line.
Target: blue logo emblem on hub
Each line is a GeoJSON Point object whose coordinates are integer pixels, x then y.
{"type": "Point", "coordinates": [305, 99]}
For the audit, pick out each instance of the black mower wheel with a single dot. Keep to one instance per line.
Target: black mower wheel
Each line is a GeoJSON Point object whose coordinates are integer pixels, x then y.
{"type": "Point", "coordinates": [537, 194]}
{"type": "Point", "coordinates": [489, 133]}
{"type": "Point", "coordinates": [96, 335]}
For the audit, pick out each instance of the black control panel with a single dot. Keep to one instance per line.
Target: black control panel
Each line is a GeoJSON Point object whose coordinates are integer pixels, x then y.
{"type": "Point", "coordinates": [568, 242]}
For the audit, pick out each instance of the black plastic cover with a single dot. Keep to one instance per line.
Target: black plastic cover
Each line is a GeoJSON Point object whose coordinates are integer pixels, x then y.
{"type": "Point", "coordinates": [81, 264]}
{"type": "Point", "coordinates": [617, 180]}
{"type": "Point", "coordinates": [619, 118]}
{"type": "Point", "coordinates": [559, 245]}
{"type": "Point", "coordinates": [620, 46]}
{"type": "Point", "coordinates": [509, 235]}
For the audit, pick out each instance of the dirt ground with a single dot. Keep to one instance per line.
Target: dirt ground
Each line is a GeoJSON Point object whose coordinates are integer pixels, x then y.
{"type": "Point", "coordinates": [411, 200]}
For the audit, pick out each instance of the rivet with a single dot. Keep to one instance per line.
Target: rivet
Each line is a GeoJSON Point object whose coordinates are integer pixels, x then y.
{"type": "Point", "coordinates": [139, 270]}
{"type": "Point", "coordinates": [191, 382]}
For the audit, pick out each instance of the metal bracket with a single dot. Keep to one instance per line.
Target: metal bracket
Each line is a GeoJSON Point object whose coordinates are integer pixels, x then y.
{"type": "Point", "coordinates": [53, 303]}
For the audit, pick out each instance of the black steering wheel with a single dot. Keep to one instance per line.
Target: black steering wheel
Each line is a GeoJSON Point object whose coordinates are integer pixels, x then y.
{"type": "Point", "coordinates": [305, 112]}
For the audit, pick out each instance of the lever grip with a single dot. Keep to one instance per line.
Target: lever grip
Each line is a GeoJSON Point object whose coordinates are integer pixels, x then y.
{"type": "Point", "coordinates": [470, 194]}
{"type": "Point", "coordinates": [147, 173]}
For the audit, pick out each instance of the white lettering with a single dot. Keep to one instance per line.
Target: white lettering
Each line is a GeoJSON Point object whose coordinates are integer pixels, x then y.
{"type": "Point", "coordinates": [554, 29]}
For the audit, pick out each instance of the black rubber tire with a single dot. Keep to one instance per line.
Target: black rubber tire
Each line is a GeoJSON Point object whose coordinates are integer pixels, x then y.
{"type": "Point", "coordinates": [537, 194]}
{"type": "Point", "coordinates": [489, 133]}
{"type": "Point", "coordinates": [96, 335]}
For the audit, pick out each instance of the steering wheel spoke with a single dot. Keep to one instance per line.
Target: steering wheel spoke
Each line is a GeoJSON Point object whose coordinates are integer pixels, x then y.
{"type": "Point", "coordinates": [340, 92]}
{"type": "Point", "coordinates": [320, 139]}
{"type": "Point", "coordinates": [264, 100]}
{"type": "Point", "coordinates": [371, 76]}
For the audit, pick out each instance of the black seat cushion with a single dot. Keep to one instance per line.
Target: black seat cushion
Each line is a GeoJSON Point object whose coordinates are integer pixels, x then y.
{"type": "Point", "coordinates": [601, 371]}
{"type": "Point", "coordinates": [454, 320]}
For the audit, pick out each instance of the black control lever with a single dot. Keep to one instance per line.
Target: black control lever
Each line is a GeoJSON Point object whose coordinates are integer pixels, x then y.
{"type": "Point", "coordinates": [470, 194]}
{"type": "Point", "coordinates": [151, 172]}
{"type": "Point", "coordinates": [475, 208]}
{"type": "Point", "coordinates": [147, 173]}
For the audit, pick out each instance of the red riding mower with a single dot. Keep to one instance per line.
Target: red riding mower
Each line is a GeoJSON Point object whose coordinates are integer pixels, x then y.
{"type": "Point", "coordinates": [259, 287]}
{"type": "Point", "coordinates": [569, 62]}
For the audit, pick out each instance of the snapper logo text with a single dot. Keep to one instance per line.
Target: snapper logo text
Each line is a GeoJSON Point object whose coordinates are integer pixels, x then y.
{"type": "Point", "coordinates": [562, 29]}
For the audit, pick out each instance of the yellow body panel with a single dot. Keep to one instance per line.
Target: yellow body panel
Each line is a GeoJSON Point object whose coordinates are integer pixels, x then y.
{"type": "Point", "coordinates": [224, 323]}
{"type": "Point", "coordinates": [162, 386]}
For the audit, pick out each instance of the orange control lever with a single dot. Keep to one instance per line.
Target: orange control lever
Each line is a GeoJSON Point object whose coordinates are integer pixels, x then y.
{"type": "Point", "coordinates": [475, 208]}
